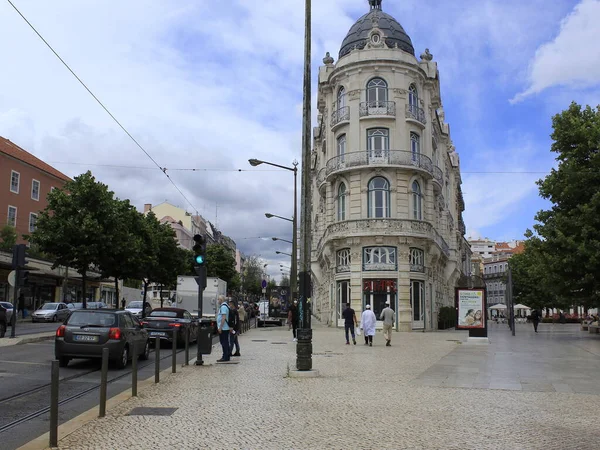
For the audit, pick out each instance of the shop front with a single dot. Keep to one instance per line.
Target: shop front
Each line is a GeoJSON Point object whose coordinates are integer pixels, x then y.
{"type": "Point", "coordinates": [376, 292]}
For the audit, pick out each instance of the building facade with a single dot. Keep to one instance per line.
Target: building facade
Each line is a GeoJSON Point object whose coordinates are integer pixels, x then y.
{"type": "Point", "coordinates": [495, 270]}
{"type": "Point", "coordinates": [387, 203]}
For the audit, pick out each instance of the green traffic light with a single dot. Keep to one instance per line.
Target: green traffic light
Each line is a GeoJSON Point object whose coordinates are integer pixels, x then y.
{"type": "Point", "coordinates": [199, 259]}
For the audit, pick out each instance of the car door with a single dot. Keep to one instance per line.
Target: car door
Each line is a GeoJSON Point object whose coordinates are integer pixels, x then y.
{"type": "Point", "coordinates": [192, 325]}
{"type": "Point", "coordinates": [140, 334]}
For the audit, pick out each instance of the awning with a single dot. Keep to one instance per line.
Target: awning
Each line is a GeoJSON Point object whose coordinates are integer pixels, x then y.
{"type": "Point", "coordinates": [498, 306]}
{"type": "Point", "coordinates": [520, 306]}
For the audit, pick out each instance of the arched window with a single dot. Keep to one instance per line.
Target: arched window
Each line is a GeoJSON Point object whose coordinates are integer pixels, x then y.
{"type": "Point", "coordinates": [413, 98]}
{"type": "Point", "coordinates": [341, 202]}
{"type": "Point", "coordinates": [341, 98]}
{"type": "Point", "coordinates": [379, 198]}
{"type": "Point", "coordinates": [417, 260]}
{"type": "Point", "coordinates": [415, 146]}
{"type": "Point", "coordinates": [377, 93]}
{"type": "Point", "coordinates": [417, 201]}
{"type": "Point", "coordinates": [341, 147]}
{"type": "Point", "coordinates": [378, 142]}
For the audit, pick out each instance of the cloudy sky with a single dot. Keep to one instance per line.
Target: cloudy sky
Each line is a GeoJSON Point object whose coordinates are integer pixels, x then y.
{"type": "Point", "coordinates": [206, 84]}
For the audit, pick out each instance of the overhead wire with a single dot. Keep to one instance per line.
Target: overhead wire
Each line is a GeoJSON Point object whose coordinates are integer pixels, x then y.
{"type": "Point", "coordinates": [162, 169]}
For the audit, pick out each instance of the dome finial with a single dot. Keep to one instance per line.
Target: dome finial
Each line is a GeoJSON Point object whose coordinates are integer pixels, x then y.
{"type": "Point", "coordinates": [375, 4]}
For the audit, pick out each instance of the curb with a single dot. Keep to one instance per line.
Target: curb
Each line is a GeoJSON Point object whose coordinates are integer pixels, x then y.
{"type": "Point", "coordinates": [7, 341]}
{"type": "Point", "coordinates": [69, 427]}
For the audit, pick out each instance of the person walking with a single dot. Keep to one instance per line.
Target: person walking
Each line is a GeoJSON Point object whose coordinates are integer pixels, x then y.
{"type": "Point", "coordinates": [349, 323]}
{"type": "Point", "coordinates": [293, 318]}
{"type": "Point", "coordinates": [389, 317]}
{"type": "Point", "coordinates": [367, 323]}
{"type": "Point", "coordinates": [242, 314]}
{"type": "Point", "coordinates": [234, 325]}
{"type": "Point", "coordinates": [223, 328]}
{"type": "Point", "coordinates": [535, 318]}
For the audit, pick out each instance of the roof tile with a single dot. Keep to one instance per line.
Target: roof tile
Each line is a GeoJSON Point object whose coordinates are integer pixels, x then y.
{"type": "Point", "coordinates": [14, 151]}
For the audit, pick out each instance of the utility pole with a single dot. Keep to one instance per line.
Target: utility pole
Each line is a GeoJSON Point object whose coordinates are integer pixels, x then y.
{"type": "Point", "coordinates": [304, 334]}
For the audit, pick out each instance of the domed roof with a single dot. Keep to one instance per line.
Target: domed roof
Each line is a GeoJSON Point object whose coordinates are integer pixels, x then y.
{"type": "Point", "coordinates": [376, 18]}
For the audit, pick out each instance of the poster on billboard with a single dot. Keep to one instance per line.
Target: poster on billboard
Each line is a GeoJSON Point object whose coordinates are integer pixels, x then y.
{"type": "Point", "coordinates": [470, 305]}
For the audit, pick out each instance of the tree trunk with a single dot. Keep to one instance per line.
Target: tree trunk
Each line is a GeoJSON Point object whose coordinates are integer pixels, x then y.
{"type": "Point", "coordinates": [117, 293]}
{"type": "Point", "coordinates": [161, 296]}
{"type": "Point", "coordinates": [84, 288]}
{"type": "Point", "coordinates": [144, 298]}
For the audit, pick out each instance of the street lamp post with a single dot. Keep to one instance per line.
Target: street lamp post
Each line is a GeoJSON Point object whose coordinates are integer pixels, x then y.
{"type": "Point", "coordinates": [294, 275]}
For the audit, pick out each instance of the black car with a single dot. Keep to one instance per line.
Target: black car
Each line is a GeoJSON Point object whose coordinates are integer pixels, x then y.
{"type": "Point", "coordinates": [3, 321]}
{"type": "Point", "coordinates": [162, 321]}
{"type": "Point", "coordinates": [87, 331]}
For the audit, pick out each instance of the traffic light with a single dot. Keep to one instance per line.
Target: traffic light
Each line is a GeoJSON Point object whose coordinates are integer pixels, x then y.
{"type": "Point", "coordinates": [23, 277]}
{"type": "Point", "coordinates": [19, 256]}
{"type": "Point", "coordinates": [199, 250]}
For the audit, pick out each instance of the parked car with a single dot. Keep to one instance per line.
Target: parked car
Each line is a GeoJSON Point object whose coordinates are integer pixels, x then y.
{"type": "Point", "coordinates": [86, 332]}
{"type": "Point", "coordinates": [162, 321]}
{"type": "Point", "coordinates": [8, 307]}
{"type": "Point", "coordinates": [135, 308]}
{"type": "Point", "coordinates": [51, 312]}
{"type": "Point", "coordinates": [3, 321]}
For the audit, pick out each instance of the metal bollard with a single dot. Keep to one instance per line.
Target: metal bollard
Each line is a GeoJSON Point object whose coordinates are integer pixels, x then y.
{"type": "Point", "coordinates": [187, 348]}
{"type": "Point", "coordinates": [174, 352]}
{"type": "Point", "coordinates": [54, 379]}
{"type": "Point", "coordinates": [134, 370]}
{"type": "Point", "coordinates": [103, 382]}
{"type": "Point", "coordinates": [156, 360]}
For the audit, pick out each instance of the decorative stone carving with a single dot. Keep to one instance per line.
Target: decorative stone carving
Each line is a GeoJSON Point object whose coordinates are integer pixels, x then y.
{"type": "Point", "coordinates": [328, 60]}
{"type": "Point", "coordinates": [353, 95]}
{"type": "Point", "coordinates": [426, 56]}
{"type": "Point", "coordinates": [400, 92]}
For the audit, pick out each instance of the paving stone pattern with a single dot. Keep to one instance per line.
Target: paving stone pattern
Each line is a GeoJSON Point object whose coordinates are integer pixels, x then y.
{"type": "Point", "coordinates": [369, 397]}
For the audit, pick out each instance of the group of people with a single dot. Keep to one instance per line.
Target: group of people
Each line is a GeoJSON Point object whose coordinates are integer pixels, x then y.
{"type": "Point", "coordinates": [229, 326]}
{"type": "Point", "coordinates": [367, 324]}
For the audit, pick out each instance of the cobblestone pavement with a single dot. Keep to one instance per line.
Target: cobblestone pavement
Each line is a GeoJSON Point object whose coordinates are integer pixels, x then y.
{"type": "Point", "coordinates": [364, 398]}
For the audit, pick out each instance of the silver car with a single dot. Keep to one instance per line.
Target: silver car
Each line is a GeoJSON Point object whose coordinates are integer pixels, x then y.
{"type": "Point", "coordinates": [51, 312]}
{"type": "Point", "coordinates": [9, 310]}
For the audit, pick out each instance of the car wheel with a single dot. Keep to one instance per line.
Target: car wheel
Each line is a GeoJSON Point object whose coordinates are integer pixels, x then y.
{"type": "Point", "coordinates": [2, 329]}
{"type": "Point", "coordinates": [54, 318]}
{"type": "Point", "coordinates": [63, 361]}
{"type": "Point", "coordinates": [146, 353]}
{"type": "Point", "coordinates": [122, 361]}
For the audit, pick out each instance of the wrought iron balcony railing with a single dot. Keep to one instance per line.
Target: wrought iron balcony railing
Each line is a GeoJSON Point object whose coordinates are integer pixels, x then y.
{"type": "Point", "coordinates": [438, 175]}
{"type": "Point", "coordinates": [400, 158]}
{"type": "Point", "coordinates": [340, 115]}
{"type": "Point", "coordinates": [415, 113]}
{"type": "Point", "coordinates": [377, 108]}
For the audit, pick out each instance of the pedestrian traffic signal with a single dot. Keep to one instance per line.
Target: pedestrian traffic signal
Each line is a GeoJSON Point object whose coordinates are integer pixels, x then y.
{"type": "Point", "coordinates": [19, 256]}
{"type": "Point", "coordinates": [199, 250]}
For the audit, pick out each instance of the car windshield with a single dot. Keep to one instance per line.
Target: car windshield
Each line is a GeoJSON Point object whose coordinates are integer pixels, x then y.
{"type": "Point", "coordinates": [82, 318]}
{"type": "Point", "coordinates": [50, 306]}
{"type": "Point", "coordinates": [135, 305]}
{"type": "Point", "coordinates": [163, 314]}
{"type": "Point", "coordinates": [6, 305]}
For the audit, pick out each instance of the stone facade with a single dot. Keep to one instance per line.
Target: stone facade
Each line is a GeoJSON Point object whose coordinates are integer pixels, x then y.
{"type": "Point", "coordinates": [386, 199]}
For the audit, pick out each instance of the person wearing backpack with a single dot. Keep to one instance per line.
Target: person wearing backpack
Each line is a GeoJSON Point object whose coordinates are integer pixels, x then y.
{"type": "Point", "coordinates": [234, 324]}
{"type": "Point", "coordinates": [223, 328]}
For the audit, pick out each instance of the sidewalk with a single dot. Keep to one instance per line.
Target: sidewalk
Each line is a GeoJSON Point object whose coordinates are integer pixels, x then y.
{"type": "Point", "coordinates": [365, 397]}
{"type": "Point", "coordinates": [25, 338]}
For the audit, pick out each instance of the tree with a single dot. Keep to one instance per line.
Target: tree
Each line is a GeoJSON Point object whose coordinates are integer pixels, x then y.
{"type": "Point", "coordinates": [8, 238]}
{"type": "Point", "coordinates": [220, 263]}
{"type": "Point", "coordinates": [253, 275]}
{"type": "Point", "coordinates": [285, 281]}
{"type": "Point", "coordinates": [72, 228]}
{"type": "Point", "coordinates": [570, 230]}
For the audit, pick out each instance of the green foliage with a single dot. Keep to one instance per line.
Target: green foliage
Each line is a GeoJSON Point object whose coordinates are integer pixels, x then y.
{"type": "Point", "coordinates": [220, 263]}
{"type": "Point", "coordinates": [253, 275]}
{"type": "Point", "coordinates": [285, 281]}
{"type": "Point", "coordinates": [8, 238]}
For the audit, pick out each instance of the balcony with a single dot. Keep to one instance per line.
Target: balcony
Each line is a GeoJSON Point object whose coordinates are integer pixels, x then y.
{"type": "Point", "coordinates": [416, 114]}
{"type": "Point", "coordinates": [377, 109]}
{"type": "Point", "coordinates": [438, 177]}
{"type": "Point", "coordinates": [392, 158]}
{"type": "Point", "coordinates": [384, 227]}
{"type": "Point", "coordinates": [321, 178]}
{"type": "Point", "coordinates": [340, 116]}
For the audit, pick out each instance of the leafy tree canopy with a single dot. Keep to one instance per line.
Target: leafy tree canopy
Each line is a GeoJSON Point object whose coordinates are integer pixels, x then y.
{"type": "Point", "coordinates": [220, 263]}
{"type": "Point", "coordinates": [8, 238]}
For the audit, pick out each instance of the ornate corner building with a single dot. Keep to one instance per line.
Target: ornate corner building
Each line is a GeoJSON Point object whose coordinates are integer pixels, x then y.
{"type": "Point", "coordinates": [387, 202]}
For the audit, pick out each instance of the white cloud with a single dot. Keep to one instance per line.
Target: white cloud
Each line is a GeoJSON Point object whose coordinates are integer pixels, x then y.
{"type": "Point", "coordinates": [572, 59]}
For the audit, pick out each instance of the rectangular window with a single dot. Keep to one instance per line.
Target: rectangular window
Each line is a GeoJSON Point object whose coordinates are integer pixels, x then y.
{"type": "Point", "coordinates": [379, 258]}
{"type": "Point", "coordinates": [32, 221]}
{"type": "Point", "coordinates": [35, 189]}
{"type": "Point", "coordinates": [12, 216]}
{"type": "Point", "coordinates": [14, 181]}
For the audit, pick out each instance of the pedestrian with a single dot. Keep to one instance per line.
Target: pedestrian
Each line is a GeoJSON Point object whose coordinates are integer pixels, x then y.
{"type": "Point", "coordinates": [349, 323]}
{"type": "Point", "coordinates": [21, 306]}
{"type": "Point", "coordinates": [562, 318]}
{"type": "Point", "coordinates": [242, 314]}
{"type": "Point", "coordinates": [367, 323]}
{"type": "Point", "coordinates": [293, 318]}
{"type": "Point", "coordinates": [123, 303]}
{"type": "Point", "coordinates": [535, 318]}
{"type": "Point", "coordinates": [388, 316]}
{"type": "Point", "coordinates": [223, 328]}
{"type": "Point", "coordinates": [234, 325]}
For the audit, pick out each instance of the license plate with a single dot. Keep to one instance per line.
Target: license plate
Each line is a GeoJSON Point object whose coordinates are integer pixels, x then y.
{"type": "Point", "coordinates": [85, 338]}
{"type": "Point", "coordinates": [157, 333]}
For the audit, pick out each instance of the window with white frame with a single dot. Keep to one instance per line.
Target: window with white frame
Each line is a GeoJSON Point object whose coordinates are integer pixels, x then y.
{"type": "Point", "coordinates": [378, 201]}
{"type": "Point", "coordinates": [15, 177]}
{"type": "Point", "coordinates": [413, 98]}
{"type": "Point", "coordinates": [341, 97]}
{"type": "Point", "coordinates": [35, 189]}
{"type": "Point", "coordinates": [379, 258]}
{"type": "Point", "coordinates": [377, 93]}
{"type": "Point", "coordinates": [341, 202]}
{"type": "Point", "coordinates": [378, 142]}
{"type": "Point", "coordinates": [343, 260]}
{"type": "Point", "coordinates": [417, 260]}
{"type": "Point", "coordinates": [12, 216]}
{"type": "Point", "coordinates": [341, 147]}
{"type": "Point", "coordinates": [417, 202]}
{"type": "Point", "coordinates": [32, 222]}
{"type": "Point", "coordinates": [415, 146]}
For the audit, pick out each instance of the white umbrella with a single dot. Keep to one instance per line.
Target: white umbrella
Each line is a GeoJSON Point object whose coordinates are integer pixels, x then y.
{"type": "Point", "coordinates": [520, 306]}
{"type": "Point", "coordinates": [498, 306]}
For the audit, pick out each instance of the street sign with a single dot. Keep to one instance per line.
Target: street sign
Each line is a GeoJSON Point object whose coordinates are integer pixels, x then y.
{"type": "Point", "coordinates": [264, 284]}
{"type": "Point", "coordinates": [264, 290]}
{"type": "Point", "coordinates": [12, 277]}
